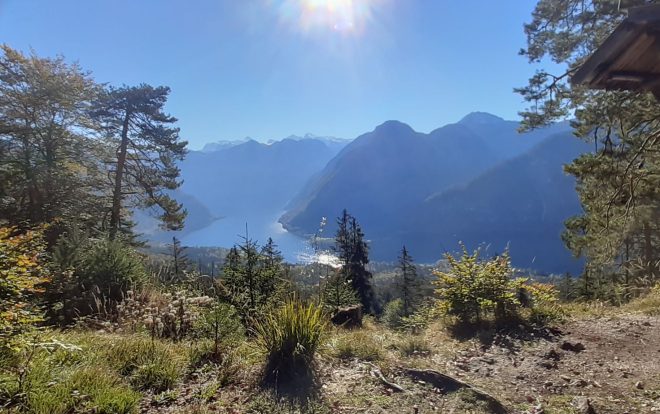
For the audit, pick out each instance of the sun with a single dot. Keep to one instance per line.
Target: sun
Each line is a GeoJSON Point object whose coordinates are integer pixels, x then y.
{"type": "Point", "coordinates": [348, 17]}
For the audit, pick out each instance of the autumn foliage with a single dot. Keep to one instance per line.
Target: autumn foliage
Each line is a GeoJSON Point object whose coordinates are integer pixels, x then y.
{"type": "Point", "coordinates": [22, 275]}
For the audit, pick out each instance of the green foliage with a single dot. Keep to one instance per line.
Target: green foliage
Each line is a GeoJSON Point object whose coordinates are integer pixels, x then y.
{"type": "Point", "coordinates": [544, 307]}
{"type": "Point", "coordinates": [91, 276]}
{"type": "Point", "coordinates": [393, 314]}
{"type": "Point", "coordinates": [290, 336]}
{"type": "Point", "coordinates": [618, 232]}
{"type": "Point", "coordinates": [51, 164]}
{"type": "Point", "coordinates": [409, 284]}
{"type": "Point", "coordinates": [357, 344]}
{"type": "Point", "coordinates": [414, 346]}
{"type": "Point", "coordinates": [354, 255]}
{"type": "Point", "coordinates": [222, 325]}
{"type": "Point", "coordinates": [147, 363]}
{"type": "Point", "coordinates": [147, 148]}
{"type": "Point", "coordinates": [86, 390]}
{"type": "Point", "coordinates": [56, 377]}
{"type": "Point", "coordinates": [112, 268]}
{"type": "Point", "coordinates": [338, 292]}
{"type": "Point", "coordinates": [252, 277]}
{"type": "Point", "coordinates": [180, 262]}
{"type": "Point", "coordinates": [419, 320]}
{"type": "Point", "coordinates": [22, 276]}
{"type": "Point", "coordinates": [475, 288]}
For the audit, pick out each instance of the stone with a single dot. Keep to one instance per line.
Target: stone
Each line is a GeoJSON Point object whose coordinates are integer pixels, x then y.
{"type": "Point", "coordinates": [552, 355]}
{"type": "Point", "coordinates": [348, 317]}
{"type": "Point", "coordinates": [580, 383]}
{"type": "Point", "coordinates": [583, 405]}
{"type": "Point", "coordinates": [573, 347]}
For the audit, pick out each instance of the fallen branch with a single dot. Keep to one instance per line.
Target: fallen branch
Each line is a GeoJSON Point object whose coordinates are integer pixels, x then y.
{"type": "Point", "coordinates": [451, 384]}
{"type": "Point", "coordinates": [376, 372]}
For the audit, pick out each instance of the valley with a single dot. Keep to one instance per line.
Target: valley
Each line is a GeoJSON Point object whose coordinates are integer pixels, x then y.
{"type": "Point", "coordinates": [478, 181]}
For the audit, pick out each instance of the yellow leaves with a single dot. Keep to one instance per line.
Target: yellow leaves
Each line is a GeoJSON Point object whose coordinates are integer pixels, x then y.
{"type": "Point", "coordinates": [543, 293]}
{"type": "Point", "coordinates": [21, 276]}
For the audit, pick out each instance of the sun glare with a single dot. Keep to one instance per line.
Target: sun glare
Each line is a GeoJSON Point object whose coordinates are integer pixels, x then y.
{"type": "Point", "coordinates": [348, 17]}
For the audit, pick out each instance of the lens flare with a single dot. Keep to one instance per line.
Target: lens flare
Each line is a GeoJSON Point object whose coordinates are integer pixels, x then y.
{"type": "Point", "coordinates": [348, 17]}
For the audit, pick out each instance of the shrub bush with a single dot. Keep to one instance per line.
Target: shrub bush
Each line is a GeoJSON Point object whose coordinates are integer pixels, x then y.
{"type": "Point", "coordinates": [93, 278]}
{"type": "Point", "coordinates": [475, 288]}
{"type": "Point", "coordinates": [222, 325]}
{"type": "Point", "coordinates": [112, 268]}
{"type": "Point", "coordinates": [22, 275]}
{"type": "Point", "coordinates": [393, 314]}
{"type": "Point", "coordinates": [544, 306]}
{"type": "Point", "coordinates": [290, 337]}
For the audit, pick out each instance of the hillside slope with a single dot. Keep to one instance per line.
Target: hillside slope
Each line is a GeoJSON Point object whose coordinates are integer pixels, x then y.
{"type": "Point", "coordinates": [478, 180]}
{"type": "Point", "coordinates": [521, 204]}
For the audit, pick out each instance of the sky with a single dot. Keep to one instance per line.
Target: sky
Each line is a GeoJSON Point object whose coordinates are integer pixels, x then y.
{"type": "Point", "coordinates": [272, 68]}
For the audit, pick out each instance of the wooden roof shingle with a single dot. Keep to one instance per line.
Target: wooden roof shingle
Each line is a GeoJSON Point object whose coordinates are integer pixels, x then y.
{"type": "Point", "coordinates": [629, 59]}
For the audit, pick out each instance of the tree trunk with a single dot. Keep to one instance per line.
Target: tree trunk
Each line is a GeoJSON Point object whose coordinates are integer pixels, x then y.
{"type": "Point", "coordinates": [648, 252]}
{"type": "Point", "coordinates": [115, 215]}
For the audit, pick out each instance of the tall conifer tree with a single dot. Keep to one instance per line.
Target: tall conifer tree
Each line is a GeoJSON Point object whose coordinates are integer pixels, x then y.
{"type": "Point", "coordinates": [619, 230]}
{"type": "Point", "coordinates": [409, 284]}
{"type": "Point", "coordinates": [147, 148]}
{"type": "Point", "coordinates": [354, 255]}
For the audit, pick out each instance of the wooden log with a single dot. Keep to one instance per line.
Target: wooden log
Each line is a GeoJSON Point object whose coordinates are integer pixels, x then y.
{"type": "Point", "coordinates": [451, 384]}
{"type": "Point", "coordinates": [377, 373]}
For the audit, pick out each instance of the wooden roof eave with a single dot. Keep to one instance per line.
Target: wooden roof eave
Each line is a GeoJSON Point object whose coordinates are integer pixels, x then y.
{"type": "Point", "coordinates": [622, 61]}
{"type": "Point", "coordinates": [598, 63]}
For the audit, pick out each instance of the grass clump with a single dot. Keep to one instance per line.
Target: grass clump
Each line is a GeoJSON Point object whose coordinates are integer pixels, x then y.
{"type": "Point", "coordinates": [393, 314]}
{"type": "Point", "coordinates": [414, 346]}
{"type": "Point", "coordinates": [148, 364]}
{"type": "Point", "coordinates": [290, 337]}
{"type": "Point", "coordinates": [357, 345]}
{"type": "Point", "coordinates": [88, 389]}
{"type": "Point", "coordinates": [62, 379]}
{"type": "Point", "coordinates": [647, 305]}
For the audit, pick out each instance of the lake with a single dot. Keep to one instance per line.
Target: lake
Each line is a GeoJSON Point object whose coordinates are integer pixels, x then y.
{"type": "Point", "coordinates": [228, 231]}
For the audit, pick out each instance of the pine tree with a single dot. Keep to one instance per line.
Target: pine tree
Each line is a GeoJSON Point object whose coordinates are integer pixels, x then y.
{"type": "Point", "coordinates": [409, 284]}
{"type": "Point", "coordinates": [250, 267]}
{"type": "Point", "coordinates": [147, 150]}
{"type": "Point", "coordinates": [252, 275]}
{"type": "Point", "coordinates": [338, 292]}
{"type": "Point", "coordinates": [567, 288]}
{"type": "Point", "coordinates": [619, 231]}
{"type": "Point", "coordinates": [180, 260]}
{"type": "Point", "coordinates": [271, 267]}
{"type": "Point", "coordinates": [354, 255]}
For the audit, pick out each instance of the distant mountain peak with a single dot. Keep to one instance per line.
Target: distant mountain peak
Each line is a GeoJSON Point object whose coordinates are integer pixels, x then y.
{"type": "Point", "coordinates": [223, 144]}
{"type": "Point", "coordinates": [480, 118]}
{"type": "Point", "coordinates": [393, 126]}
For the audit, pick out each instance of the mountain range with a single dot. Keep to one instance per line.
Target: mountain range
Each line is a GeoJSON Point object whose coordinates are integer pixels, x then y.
{"type": "Point", "coordinates": [477, 181]}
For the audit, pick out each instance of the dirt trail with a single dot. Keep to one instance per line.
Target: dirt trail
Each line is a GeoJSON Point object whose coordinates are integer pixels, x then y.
{"type": "Point", "coordinates": [618, 368]}
{"type": "Point", "coordinates": [613, 361]}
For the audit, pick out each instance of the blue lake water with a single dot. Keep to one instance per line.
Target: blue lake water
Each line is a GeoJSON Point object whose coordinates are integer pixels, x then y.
{"type": "Point", "coordinates": [228, 231]}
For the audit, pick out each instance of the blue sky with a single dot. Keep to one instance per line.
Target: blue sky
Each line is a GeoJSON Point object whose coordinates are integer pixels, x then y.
{"type": "Point", "coordinates": [271, 68]}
